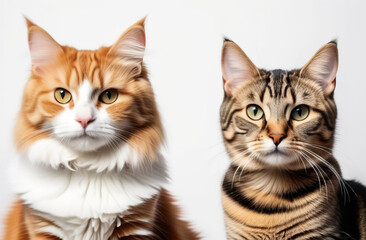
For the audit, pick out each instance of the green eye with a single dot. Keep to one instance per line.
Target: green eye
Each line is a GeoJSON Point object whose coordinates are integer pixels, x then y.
{"type": "Point", "coordinates": [109, 96]}
{"type": "Point", "coordinates": [62, 95]}
{"type": "Point", "coordinates": [300, 112]}
{"type": "Point", "coordinates": [254, 112]}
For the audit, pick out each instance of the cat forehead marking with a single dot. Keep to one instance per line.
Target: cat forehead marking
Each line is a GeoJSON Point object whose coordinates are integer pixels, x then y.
{"type": "Point", "coordinates": [84, 91]}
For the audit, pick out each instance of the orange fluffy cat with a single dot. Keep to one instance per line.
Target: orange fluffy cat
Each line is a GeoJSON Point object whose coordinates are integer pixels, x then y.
{"type": "Point", "coordinates": [89, 136]}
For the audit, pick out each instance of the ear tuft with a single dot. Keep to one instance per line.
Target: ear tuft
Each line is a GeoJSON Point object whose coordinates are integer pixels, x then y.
{"type": "Point", "coordinates": [335, 41]}
{"type": "Point", "coordinates": [227, 39]}
{"type": "Point", "coordinates": [43, 48]}
{"type": "Point", "coordinates": [322, 68]}
{"type": "Point", "coordinates": [131, 45]}
{"type": "Point", "coordinates": [237, 68]}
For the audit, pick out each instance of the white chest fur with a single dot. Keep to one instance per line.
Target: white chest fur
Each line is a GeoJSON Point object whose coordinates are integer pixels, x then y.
{"type": "Point", "coordinates": [90, 200]}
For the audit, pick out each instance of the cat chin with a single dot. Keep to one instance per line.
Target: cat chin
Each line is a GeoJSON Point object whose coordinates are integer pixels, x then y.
{"type": "Point", "coordinates": [86, 144]}
{"type": "Point", "coordinates": [278, 159]}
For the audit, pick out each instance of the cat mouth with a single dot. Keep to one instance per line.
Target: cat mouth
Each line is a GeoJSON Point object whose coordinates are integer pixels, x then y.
{"type": "Point", "coordinates": [83, 136]}
{"type": "Point", "coordinates": [277, 157]}
{"type": "Point", "coordinates": [88, 136]}
{"type": "Point", "coordinates": [277, 152]}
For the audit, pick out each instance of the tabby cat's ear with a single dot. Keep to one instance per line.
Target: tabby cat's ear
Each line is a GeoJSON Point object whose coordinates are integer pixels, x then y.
{"type": "Point", "coordinates": [131, 45]}
{"type": "Point", "coordinates": [323, 67]}
{"type": "Point", "coordinates": [237, 68]}
{"type": "Point", "coordinates": [43, 48]}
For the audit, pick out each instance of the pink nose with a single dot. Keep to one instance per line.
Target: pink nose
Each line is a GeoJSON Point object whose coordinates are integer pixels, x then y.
{"type": "Point", "coordinates": [84, 121]}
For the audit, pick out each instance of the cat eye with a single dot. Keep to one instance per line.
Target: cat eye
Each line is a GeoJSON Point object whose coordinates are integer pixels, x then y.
{"type": "Point", "coordinates": [62, 95]}
{"type": "Point", "coordinates": [254, 112]}
{"type": "Point", "coordinates": [300, 112]}
{"type": "Point", "coordinates": [109, 96]}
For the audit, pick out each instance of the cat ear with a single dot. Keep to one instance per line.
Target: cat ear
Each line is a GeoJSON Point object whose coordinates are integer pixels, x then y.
{"type": "Point", "coordinates": [43, 48]}
{"type": "Point", "coordinates": [131, 45]}
{"type": "Point", "coordinates": [323, 67]}
{"type": "Point", "coordinates": [237, 68]}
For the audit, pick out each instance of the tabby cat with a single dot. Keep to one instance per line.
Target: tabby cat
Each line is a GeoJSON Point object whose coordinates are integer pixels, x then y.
{"type": "Point", "coordinates": [278, 128]}
{"type": "Point", "coordinates": [89, 137]}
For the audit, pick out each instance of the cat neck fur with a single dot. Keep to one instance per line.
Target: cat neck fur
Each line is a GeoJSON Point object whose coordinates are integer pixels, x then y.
{"type": "Point", "coordinates": [98, 185]}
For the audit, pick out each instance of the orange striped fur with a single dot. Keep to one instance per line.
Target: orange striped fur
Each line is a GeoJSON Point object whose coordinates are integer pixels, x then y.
{"type": "Point", "coordinates": [136, 172]}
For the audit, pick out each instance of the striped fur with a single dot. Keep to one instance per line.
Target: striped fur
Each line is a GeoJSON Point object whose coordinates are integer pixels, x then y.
{"type": "Point", "coordinates": [89, 169]}
{"type": "Point", "coordinates": [292, 188]}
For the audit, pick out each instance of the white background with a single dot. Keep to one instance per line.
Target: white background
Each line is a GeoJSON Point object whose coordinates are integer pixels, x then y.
{"type": "Point", "coordinates": [184, 40]}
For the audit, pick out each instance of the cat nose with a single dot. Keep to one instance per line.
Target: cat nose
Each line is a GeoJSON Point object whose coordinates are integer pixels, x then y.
{"type": "Point", "coordinates": [84, 121]}
{"type": "Point", "coordinates": [277, 137]}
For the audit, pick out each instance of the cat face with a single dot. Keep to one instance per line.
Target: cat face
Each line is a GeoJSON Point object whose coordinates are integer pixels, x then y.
{"type": "Point", "coordinates": [278, 118]}
{"type": "Point", "coordinates": [89, 100]}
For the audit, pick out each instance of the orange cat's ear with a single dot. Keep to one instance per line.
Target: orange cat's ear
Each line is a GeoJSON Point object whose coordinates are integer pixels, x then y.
{"type": "Point", "coordinates": [237, 68]}
{"type": "Point", "coordinates": [43, 48]}
{"type": "Point", "coordinates": [131, 45]}
{"type": "Point", "coordinates": [323, 67]}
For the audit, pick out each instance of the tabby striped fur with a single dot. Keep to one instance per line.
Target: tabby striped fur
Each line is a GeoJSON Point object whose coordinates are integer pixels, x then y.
{"type": "Point", "coordinates": [287, 187]}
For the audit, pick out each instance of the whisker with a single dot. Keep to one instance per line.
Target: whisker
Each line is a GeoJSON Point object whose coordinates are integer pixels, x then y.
{"type": "Point", "coordinates": [320, 171]}
{"type": "Point", "coordinates": [238, 157]}
{"type": "Point", "coordinates": [342, 185]}
{"type": "Point", "coordinates": [247, 163]}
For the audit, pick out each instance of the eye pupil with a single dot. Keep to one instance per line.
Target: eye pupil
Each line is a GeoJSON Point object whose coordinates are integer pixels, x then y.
{"type": "Point", "coordinates": [109, 95]}
{"type": "Point", "coordinates": [299, 112]}
{"type": "Point", "coordinates": [255, 111]}
{"type": "Point", "coordinates": [62, 94]}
